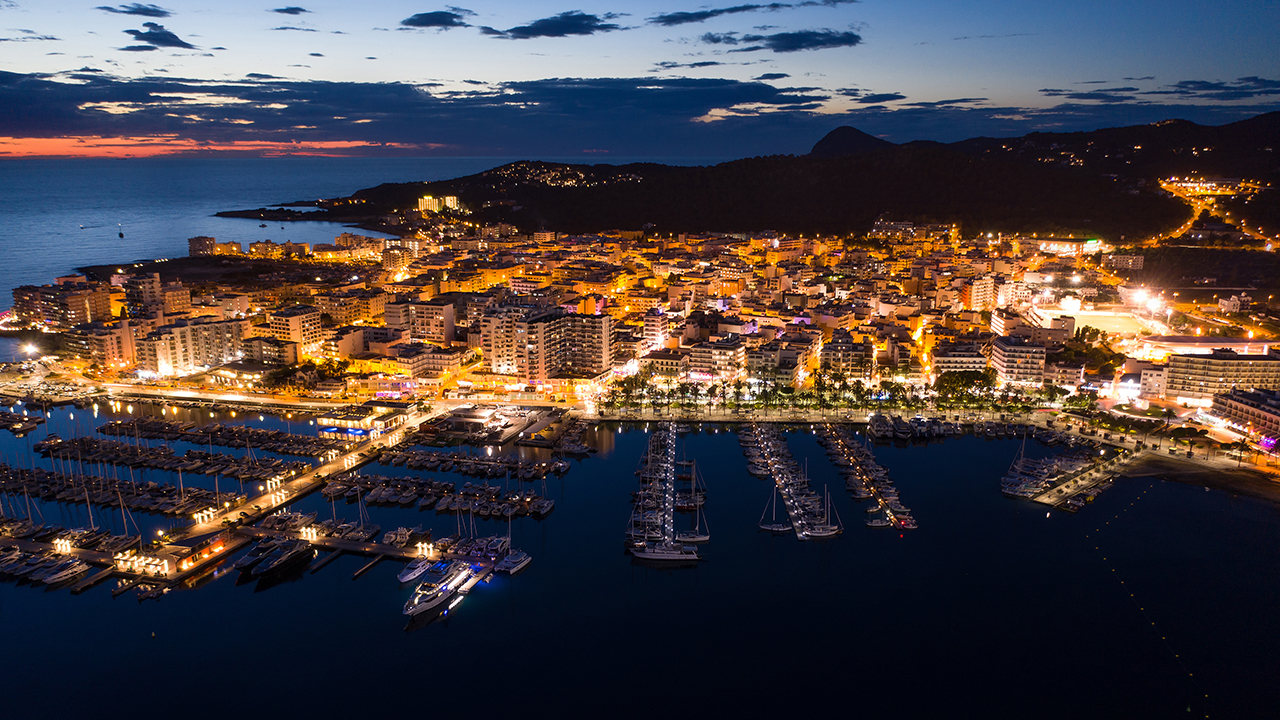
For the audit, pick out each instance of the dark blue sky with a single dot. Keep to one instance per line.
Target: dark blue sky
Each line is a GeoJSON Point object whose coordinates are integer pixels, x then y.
{"type": "Point", "coordinates": [621, 79]}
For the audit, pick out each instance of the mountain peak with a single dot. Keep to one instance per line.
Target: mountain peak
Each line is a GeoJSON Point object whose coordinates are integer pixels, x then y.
{"type": "Point", "coordinates": [846, 140]}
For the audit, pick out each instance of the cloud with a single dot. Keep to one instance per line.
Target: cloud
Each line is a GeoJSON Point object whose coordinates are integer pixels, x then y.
{"type": "Point", "coordinates": [442, 19]}
{"type": "Point", "coordinates": [683, 18]}
{"type": "Point", "coordinates": [881, 98]}
{"type": "Point", "coordinates": [29, 37]}
{"type": "Point", "coordinates": [672, 19]}
{"type": "Point", "coordinates": [644, 116]}
{"type": "Point", "coordinates": [772, 76]}
{"type": "Point", "coordinates": [291, 10]}
{"type": "Point", "coordinates": [1139, 79]}
{"type": "Point", "coordinates": [139, 48]}
{"type": "Point", "coordinates": [786, 42]}
{"type": "Point", "coordinates": [1104, 95]}
{"type": "Point", "coordinates": [317, 54]}
{"type": "Point", "coordinates": [154, 11]}
{"type": "Point", "coordinates": [296, 29]}
{"type": "Point", "coordinates": [671, 65]}
{"type": "Point", "coordinates": [944, 103]}
{"type": "Point", "coordinates": [991, 37]}
{"type": "Point", "coordinates": [1244, 88]}
{"type": "Point", "coordinates": [157, 36]}
{"type": "Point", "coordinates": [565, 24]}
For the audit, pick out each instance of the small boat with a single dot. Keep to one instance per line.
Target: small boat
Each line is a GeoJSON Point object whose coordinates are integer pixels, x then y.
{"type": "Point", "coordinates": [666, 552]}
{"type": "Point", "coordinates": [513, 563]}
{"type": "Point", "coordinates": [415, 569]}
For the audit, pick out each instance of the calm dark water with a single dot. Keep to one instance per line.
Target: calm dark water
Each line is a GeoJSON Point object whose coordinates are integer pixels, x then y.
{"type": "Point", "coordinates": [160, 202]}
{"type": "Point", "coordinates": [990, 608]}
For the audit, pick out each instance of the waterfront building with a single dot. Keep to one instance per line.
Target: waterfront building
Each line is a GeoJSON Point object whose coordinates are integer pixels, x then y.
{"type": "Point", "coordinates": [851, 354]}
{"type": "Point", "coordinates": [190, 345]}
{"type": "Point", "coordinates": [957, 358]}
{"type": "Point", "coordinates": [67, 303]}
{"type": "Point", "coordinates": [667, 363]}
{"type": "Point", "coordinates": [542, 344]}
{"type": "Point", "coordinates": [1017, 361]}
{"type": "Point", "coordinates": [1195, 379]}
{"type": "Point", "coordinates": [418, 360]}
{"type": "Point", "coordinates": [1255, 412]}
{"type": "Point", "coordinates": [722, 358]}
{"type": "Point", "coordinates": [98, 342]}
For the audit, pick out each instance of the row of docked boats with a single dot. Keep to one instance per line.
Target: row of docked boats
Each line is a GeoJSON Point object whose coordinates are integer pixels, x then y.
{"type": "Point", "coordinates": [114, 452]}
{"type": "Point", "coordinates": [49, 568]}
{"type": "Point", "coordinates": [19, 424]}
{"type": "Point", "coordinates": [440, 580]}
{"type": "Point", "coordinates": [1071, 472]}
{"type": "Point", "coordinates": [274, 554]}
{"type": "Point", "coordinates": [570, 442]}
{"type": "Point", "coordinates": [650, 535]}
{"type": "Point", "coordinates": [809, 515]}
{"type": "Point", "coordinates": [865, 479]}
{"type": "Point", "coordinates": [485, 501]}
{"type": "Point", "coordinates": [160, 498]}
{"type": "Point", "coordinates": [227, 435]}
{"type": "Point", "coordinates": [883, 427]}
{"type": "Point", "coordinates": [95, 539]}
{"type": "Point", "coordinates": [403, 455]}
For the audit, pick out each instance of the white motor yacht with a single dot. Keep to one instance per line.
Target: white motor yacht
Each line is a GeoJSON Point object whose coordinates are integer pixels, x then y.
{"type": "Point", "coordinates": [438, 588]}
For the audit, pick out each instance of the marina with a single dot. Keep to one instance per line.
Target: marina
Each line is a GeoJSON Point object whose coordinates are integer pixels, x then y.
{"type": "Point", "coordinates": [811, 516]}
{"type": "Point", "coordinates": [313, 516]}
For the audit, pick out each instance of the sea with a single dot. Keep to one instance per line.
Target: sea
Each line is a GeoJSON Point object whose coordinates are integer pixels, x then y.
{"type": "Point", "coordinates": [1157, 600]}
{"type": "Point", "coordinates": [61, 214]}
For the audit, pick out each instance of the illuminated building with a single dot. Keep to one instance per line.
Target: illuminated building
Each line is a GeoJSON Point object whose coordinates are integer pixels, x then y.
{"type": "Point", "coordinates": [1195, 379]}
{"type": "Point", "coordinates": [190, 345]}
{"type": "Point", "coordinates": [1256, 412]}
{"type": "Point", "coordinates": [1017, 361]}
{"type": "Point", "coordinates": [299, 324]}
{"type": "Point", "coordinates": [68, 303]}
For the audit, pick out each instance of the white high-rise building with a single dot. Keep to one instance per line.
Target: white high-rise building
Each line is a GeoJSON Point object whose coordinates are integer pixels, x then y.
{"type": "Point", "coordinates": [300, 324]}
{"type": "Point", "coordinates": [191, 345]}
{"type": "Point", "coordinates": [541, 345]}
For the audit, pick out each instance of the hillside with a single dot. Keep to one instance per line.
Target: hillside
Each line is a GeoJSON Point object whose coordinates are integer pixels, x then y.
{"type": "Point", "coordinates": [1101, 183]}
{"type": "Point", "coordinates": [840, 195]}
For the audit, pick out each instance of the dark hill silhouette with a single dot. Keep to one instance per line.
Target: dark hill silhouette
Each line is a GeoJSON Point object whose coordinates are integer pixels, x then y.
{"type": "Point", "coordinates": [1099, 183]}
{"type": "Point", "coordinates": [846, 140]}
{"type": "Point", "coordinates": [802, 194]}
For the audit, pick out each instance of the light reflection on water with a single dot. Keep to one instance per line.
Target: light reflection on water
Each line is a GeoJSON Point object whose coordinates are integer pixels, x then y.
{"type": "Point", "coordinates": [986, 587]}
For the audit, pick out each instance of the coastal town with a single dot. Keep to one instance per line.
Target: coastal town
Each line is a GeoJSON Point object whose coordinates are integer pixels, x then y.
{"type": "Point", "coordinates": [632, 324]}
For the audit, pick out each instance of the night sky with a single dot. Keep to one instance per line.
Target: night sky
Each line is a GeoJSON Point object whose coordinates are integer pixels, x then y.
{"type": "Point", "coordinates": [612, 79]}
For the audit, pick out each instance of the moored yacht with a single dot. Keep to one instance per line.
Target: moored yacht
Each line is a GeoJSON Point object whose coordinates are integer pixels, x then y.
{"type": "Point", "coordinates": [439, 586]}
{"type": "Point", "coordinates": [513, 563]}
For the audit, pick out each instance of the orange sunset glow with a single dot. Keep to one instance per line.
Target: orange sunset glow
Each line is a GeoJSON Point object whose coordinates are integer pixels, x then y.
{"type": "Point", "coordinates": [96, 146]}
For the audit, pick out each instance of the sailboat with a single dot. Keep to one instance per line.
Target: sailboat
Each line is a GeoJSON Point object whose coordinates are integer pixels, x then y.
{"type": "Point", "coordinates": [699, 534]}
{"type": "Point", "coordinates": [772, 506]}
{"type": "Point", "coordinates": [826, 528]}
{"type": "Point", "coordinates": [120, 230]}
